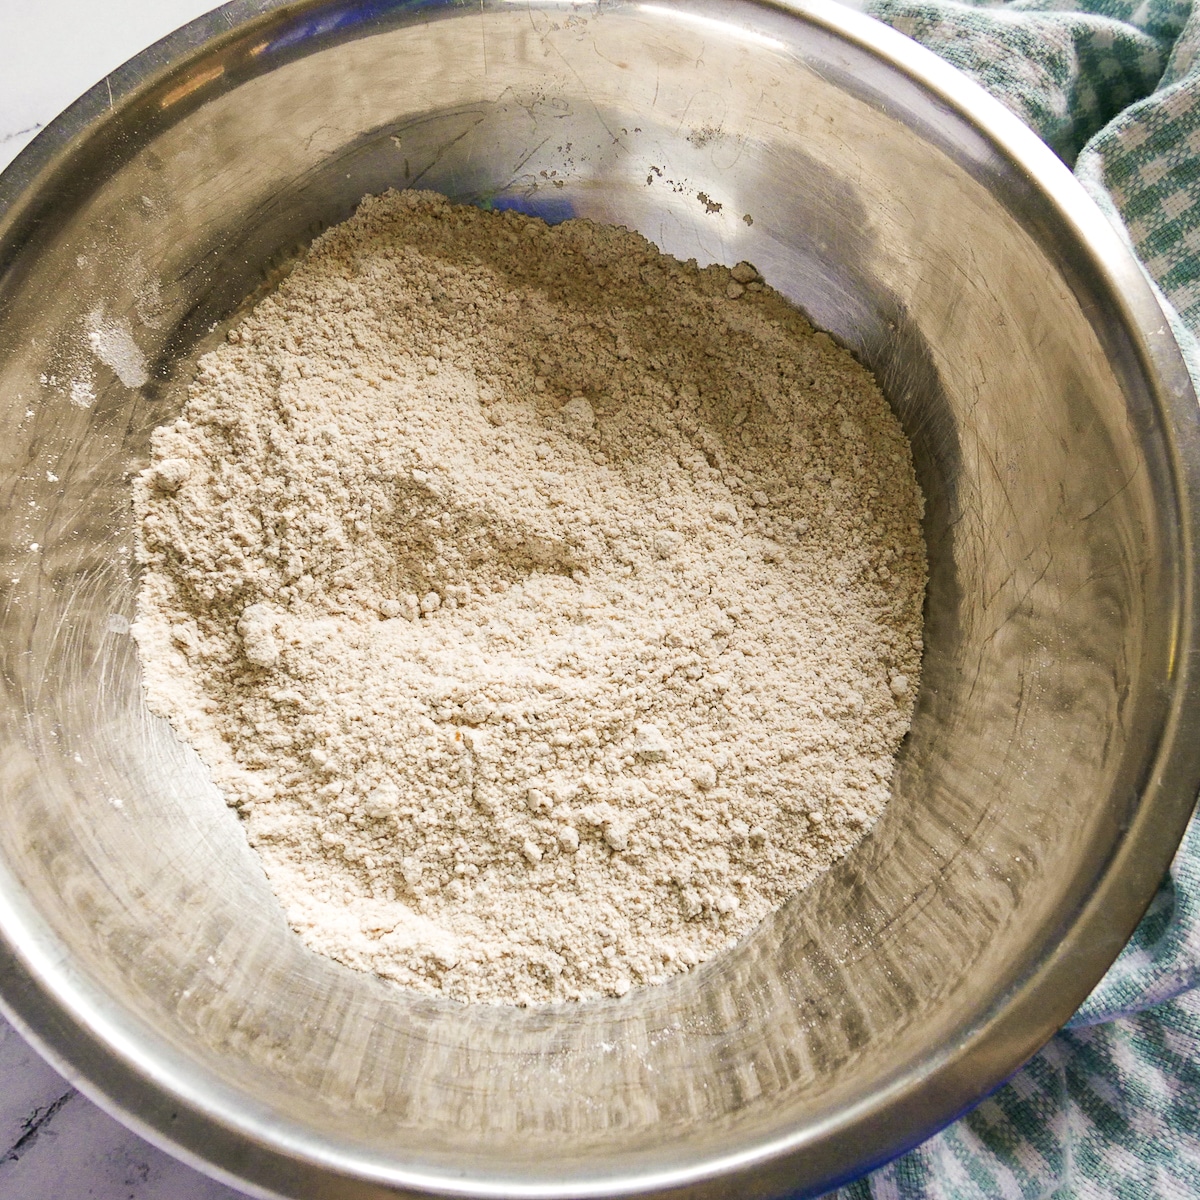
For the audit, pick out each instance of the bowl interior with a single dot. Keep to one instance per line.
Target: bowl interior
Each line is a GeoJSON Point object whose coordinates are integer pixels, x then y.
{"type": "Point", "coordinates": [159, 960]}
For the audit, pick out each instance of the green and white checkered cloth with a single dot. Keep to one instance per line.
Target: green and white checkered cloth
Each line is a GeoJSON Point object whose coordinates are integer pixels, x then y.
{"type": "Point", "coordinates": [1111, 1107]}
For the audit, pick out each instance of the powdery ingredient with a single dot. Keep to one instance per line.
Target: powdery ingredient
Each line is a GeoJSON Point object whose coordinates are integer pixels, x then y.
{"type": "Point", "coordinates": [112, 343]}
{"type": "Point", "coordinates": [549, 609]}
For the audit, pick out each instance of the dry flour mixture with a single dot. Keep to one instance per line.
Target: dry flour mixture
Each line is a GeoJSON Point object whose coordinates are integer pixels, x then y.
{"type": "Point", "coordinates": [549, 609]}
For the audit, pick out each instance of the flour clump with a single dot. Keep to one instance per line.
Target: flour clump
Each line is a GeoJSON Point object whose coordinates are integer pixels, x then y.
{"type": "Point", "coordinates": [548, 615]}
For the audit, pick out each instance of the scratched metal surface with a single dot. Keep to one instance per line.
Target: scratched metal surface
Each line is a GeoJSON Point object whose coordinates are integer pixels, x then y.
{"type": "Point", "coordinates": [1045, 780]}
{"type": "Point", "coordinates": [54, 1142]}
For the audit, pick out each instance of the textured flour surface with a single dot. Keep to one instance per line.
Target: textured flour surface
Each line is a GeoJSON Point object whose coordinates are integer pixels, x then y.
{"type": "Point", "coordinates": [548, 608]}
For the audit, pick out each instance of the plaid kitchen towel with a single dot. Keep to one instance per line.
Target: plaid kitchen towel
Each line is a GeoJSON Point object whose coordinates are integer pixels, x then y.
{"type": "Point", "coordinates": [1111, 1107]}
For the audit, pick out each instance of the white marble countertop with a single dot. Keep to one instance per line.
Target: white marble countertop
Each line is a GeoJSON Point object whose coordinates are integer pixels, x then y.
{"type": "Point", "coordinates": [54, 1143]}
{"type": "Point", "coordinates": [51, 52]}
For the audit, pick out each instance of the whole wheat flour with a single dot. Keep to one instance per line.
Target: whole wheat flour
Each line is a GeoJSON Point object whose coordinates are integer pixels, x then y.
{"type": "Point", "coordinates": [549, 609]}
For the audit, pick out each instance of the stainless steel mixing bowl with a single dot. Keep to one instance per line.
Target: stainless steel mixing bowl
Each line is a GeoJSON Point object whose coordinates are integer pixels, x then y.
{"type": "Point", "coordinates": [1050, 768]}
